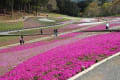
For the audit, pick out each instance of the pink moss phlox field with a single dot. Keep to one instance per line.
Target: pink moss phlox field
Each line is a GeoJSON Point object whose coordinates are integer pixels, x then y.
{"type": "Point", "coordinates": [65, 61]}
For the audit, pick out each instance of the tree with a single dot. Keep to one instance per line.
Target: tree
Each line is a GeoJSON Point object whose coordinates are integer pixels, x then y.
{"type": "Point", "coordinates": [12, 7]}
{"type": "Point", "coordinates": [82, 5]}
{"type": "Point", "coordinates": [116, 7]}
{"type": "Point", "coordinates": [101, 2]}
{"type": "Point", "coordinates": [107, 9]}
{"type": "Point", "coordinates": [68, 7]}
{"type": "Point", "coordinates": [111, 8]}
{"type": "Point", "coordinates": [93, 10]}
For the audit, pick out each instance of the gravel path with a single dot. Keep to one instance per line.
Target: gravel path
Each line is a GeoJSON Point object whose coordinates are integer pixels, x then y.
{"type": "Point", "coordinates": [109, 70]}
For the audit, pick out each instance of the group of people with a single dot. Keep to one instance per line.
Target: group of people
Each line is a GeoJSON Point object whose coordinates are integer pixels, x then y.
{"type": "Point", "coordinates": [41, 32]}
{"type": "Point", "coordinates": [56, 32]}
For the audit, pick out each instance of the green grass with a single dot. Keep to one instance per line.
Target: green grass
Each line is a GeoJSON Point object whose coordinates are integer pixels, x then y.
{"type": "Point", "coordinates": [11, 26]}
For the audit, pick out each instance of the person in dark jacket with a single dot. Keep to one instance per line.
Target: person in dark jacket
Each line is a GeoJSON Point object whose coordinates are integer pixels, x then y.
{"type": "Point", "coordinates": [56, 32]}
{"type": "Point", "coordinates": [21, 40]}
{"type": "Point", "coordinates": [41, 31]}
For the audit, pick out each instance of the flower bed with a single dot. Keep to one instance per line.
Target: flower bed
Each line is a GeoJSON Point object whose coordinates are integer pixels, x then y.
{"type": "Point", "coordinates": [65, 61]}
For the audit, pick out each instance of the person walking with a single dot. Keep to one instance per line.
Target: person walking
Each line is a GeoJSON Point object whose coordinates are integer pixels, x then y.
{"type": "Point", "coordinates": [107, 26]}
{"type": "Point", "coordinates": [41, 31]}
{"type": "Point", "coordinates": [56, 32]}
{"type": "Point", "coordinates": [21, 40]}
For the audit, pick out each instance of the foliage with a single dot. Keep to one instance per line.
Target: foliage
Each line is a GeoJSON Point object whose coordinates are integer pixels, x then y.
{"type": "Point", "coordinates": [111, 8]}
{"type": "Point", "coordinates": [107, 9]}
{"type": "Point", "coordinates": [116, 7]}
{"type": "Point", "coordinates": [22, 5]}
{"type": "Point", "coordinates": [68, 7]}
{"type": "Point", "coordinates": [93, 9]}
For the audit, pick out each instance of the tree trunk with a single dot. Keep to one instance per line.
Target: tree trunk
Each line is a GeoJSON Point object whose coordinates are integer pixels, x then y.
{"type": "Point", "coordinates": [19, 8]}
{"type": "Point", "coordinates": [12, 9]}
{"type": "Point", "coordinates": [36, 10]}
{"type": "Point", "coordinates": [29, 8]}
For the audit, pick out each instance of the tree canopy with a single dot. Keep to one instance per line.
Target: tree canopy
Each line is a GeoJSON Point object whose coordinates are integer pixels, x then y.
{"type": "Point", "coordinates": [69, 7]}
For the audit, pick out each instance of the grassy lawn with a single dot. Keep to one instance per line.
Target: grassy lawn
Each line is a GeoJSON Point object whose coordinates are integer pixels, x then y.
{"type": "Point", "coordinates": [11, 26]}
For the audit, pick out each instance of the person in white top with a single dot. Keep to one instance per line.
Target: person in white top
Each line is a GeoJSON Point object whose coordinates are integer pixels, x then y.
{"type": "Point", "coordinates": [107, 26]}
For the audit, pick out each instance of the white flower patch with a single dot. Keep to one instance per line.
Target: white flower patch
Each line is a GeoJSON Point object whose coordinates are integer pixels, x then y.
{"type": "Point", "coordinates": [46, 20]}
